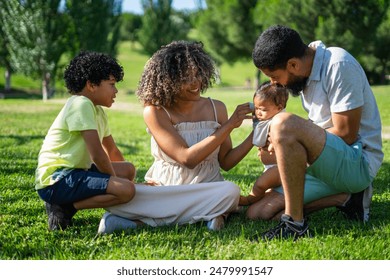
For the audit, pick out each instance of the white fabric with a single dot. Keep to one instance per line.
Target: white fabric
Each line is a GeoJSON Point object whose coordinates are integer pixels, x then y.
{"type": "Point", "coordinates": [165, 171]}
{"type": "Point", "coordinates": [260, 133]}
{"type": "Point", "coordinates": [184, 195]}
{"type": "Point", "coordinates": [181, 204]}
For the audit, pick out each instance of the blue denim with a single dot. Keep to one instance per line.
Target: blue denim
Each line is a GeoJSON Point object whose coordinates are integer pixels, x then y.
{"type": "Point", "coordinates": [78, 185]}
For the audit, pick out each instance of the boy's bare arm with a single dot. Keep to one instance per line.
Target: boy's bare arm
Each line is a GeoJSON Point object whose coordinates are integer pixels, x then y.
{"type": "Point", "coordinates": [97, 153]}
{"type": "Point", "coordinates": [112, 149]}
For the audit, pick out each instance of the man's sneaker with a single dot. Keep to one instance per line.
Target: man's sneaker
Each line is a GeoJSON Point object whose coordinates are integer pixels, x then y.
{"type": "Point", "coordinates": [357, 208]}
{"type": "Point", "coordinates": [286, 229]}
{"type": "Point", "coordinates": [59, 216]}
{"type": "Point", "coordinates": [111, 223]}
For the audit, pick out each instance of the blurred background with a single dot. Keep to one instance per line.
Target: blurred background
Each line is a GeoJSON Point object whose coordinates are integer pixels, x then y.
{"type": "Point", "coordinates": [39, 37]}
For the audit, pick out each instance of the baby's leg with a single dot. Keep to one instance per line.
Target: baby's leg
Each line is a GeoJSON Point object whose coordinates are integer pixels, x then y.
{"type": "Point", "coordinates": [269, 179]}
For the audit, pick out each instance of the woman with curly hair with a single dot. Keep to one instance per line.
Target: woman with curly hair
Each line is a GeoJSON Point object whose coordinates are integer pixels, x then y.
{"type": "Point", "coordinates": [79, 164]}
{"type": "Point", "coordinates": [190, 142]}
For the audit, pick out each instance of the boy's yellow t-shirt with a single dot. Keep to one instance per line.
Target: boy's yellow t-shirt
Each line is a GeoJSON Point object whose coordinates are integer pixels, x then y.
{"type": "Point", "coordinates": [64, 148]}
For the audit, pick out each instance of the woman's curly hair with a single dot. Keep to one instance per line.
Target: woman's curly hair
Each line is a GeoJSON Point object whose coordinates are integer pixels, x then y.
{"type": "Point", "coordinates": [90, 66]}
{"type": "Point", "coordinates": [168, 68]}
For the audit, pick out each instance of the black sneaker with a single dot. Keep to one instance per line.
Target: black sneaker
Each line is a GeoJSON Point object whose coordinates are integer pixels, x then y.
{"type": "Point", "coordinates": [357, 207]}
{"type": "Point", "coordinates": [59, 216]}
{"type": "Point", "coordinates": [286, 229]}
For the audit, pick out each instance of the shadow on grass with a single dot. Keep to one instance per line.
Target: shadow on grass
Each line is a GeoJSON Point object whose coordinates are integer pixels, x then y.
{"type": "Point", "coordinates": [381, 181]}
{"type": "Point", "coordinates": [21, 140]}
{"type": "Point", "coordinates": [128, 149]}
{"type": "Point", "coordinates": [20, 94]}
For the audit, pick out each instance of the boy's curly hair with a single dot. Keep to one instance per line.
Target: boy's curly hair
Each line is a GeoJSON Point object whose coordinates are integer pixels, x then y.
{"type": "Point", "coordinates": [168, 68]}
{"type": "Point", "coordinates": [275, 93]}
{"type": "Point", "coordinates": [90, 66]}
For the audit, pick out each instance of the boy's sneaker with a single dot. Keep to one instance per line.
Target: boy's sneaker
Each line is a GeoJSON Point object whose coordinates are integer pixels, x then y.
{"type": "Point", "coordinates": [357, 208]}
{"type": "Point", "coordinates": [59, 216]}
{"type": "Point", "coordinates": [286, 229]}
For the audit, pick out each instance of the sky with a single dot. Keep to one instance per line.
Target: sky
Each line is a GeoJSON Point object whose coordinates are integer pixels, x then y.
{"type": "Point", "coordinates": [134, 6]}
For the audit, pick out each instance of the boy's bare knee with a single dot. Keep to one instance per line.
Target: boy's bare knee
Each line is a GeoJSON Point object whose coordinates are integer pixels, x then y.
{"type": "Point", "coordinates": [131, 171]}
{"type": "Point", "coordinates": [127, 192]}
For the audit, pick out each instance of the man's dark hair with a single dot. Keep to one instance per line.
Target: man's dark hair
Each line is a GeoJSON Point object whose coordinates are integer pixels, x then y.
{"type": "Point", "coordinates": [276, 46]}
{"type": "Point", "coordinates": [93, 67]}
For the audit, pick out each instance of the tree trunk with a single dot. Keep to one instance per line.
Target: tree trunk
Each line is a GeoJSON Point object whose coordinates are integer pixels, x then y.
{"type": "Point", "coordinates": [7, 76]}
{"type": "Point", "coordinates": [257, 78]}
{"type": "Point", "coordinates": [45, 86]}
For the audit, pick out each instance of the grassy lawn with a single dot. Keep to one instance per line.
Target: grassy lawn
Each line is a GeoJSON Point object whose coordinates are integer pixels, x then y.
{"type": "Point", "coordinates": [23, 221]}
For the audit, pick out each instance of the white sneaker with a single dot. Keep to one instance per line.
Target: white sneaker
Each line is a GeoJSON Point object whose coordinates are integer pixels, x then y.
{"type": "Point", "coordinates": [217, 223]}
{"type": "Point", "coordinates": [110, 223]}
{"type": "Point", "coordinates": [367, 198]}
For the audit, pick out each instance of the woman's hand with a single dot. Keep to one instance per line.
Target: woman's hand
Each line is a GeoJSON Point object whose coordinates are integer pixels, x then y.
{"type": "Point", "coordinates": [240, 114]}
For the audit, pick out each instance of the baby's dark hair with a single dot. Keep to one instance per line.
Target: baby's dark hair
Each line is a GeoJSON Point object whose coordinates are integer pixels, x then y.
{"type": "Point", "coordinates": [275, 46]}
{"type": "Point", "coordinates": [275, 93]}
{"type": "Point", "coordinates": [169, 67]}
{"type": "Point", "coordinates": [93, 67]}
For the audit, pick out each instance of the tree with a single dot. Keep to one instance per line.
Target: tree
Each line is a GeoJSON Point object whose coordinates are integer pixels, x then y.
{"type": "Point", "coordinates": [228, 30]}
{"type": "Point", "coordinates": [94, 25]}
{"type": "Point", "coordinates": [160, 25]}
{"type": "Point", "coordinates": [299, 15]}
{"type": "Point", "coordinates": [349, 24]}
{"type": "Point", "coordinates": [131, 24]}
{"type": "Point", "coordinates": [4, 53]}
{"type": "Point", "coordinates": [381, 49]}
{"type": "Point", "coordinates": [34, 32]}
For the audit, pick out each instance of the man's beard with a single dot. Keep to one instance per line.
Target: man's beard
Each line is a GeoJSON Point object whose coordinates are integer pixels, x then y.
{"type": "Point", "coordinates": [296, 84]}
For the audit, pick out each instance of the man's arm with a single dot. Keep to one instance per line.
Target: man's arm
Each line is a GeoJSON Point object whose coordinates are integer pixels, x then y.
{"type": "Point", "coordinates": [346, 124]}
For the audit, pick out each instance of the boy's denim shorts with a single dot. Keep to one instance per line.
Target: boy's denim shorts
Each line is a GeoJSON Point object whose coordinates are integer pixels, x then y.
{"type": "Point", "coordinates": [340, 168]}
{"type": "Point", "coordinates": [78, 185]}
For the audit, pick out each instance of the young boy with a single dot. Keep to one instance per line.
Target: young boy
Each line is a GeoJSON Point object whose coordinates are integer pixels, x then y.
{"type": "Point", "coordinates": [79, 164]}
{"type": "Point", "coordinates": [268, 100]}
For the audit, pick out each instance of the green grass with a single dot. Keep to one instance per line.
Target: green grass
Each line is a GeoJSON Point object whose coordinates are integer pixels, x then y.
{"type": "Point", "coordinates": [23, 224]}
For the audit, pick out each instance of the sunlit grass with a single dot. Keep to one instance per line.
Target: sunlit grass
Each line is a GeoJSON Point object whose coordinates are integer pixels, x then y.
{"type": "Point", "coordinates": [23, 221]}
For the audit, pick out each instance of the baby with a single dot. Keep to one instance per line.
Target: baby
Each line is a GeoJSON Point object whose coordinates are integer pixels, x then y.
{"type": "Point", "coordinates": [268, 100]}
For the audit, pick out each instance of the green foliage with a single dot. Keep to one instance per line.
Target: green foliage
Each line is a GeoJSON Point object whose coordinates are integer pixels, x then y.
{"type": "Point", "coordinates": [160, 25]}
{"type": "Point", "coordinates": [23, 221]}
{"type": "Point", "coordinates": [228, 29]}
{"type": "Point", "coordinates": [300, 15]}
{"type": "Point", "coordinates": [131, 23]}
{"type": "Point", "coordinates": [94, 25]}
{"type": "Point", "coordinates": [350, 24]}
{"type": "Point", "coordinates": [381, 49]}
{"type": "Point", "coordinates": [34, 34]}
